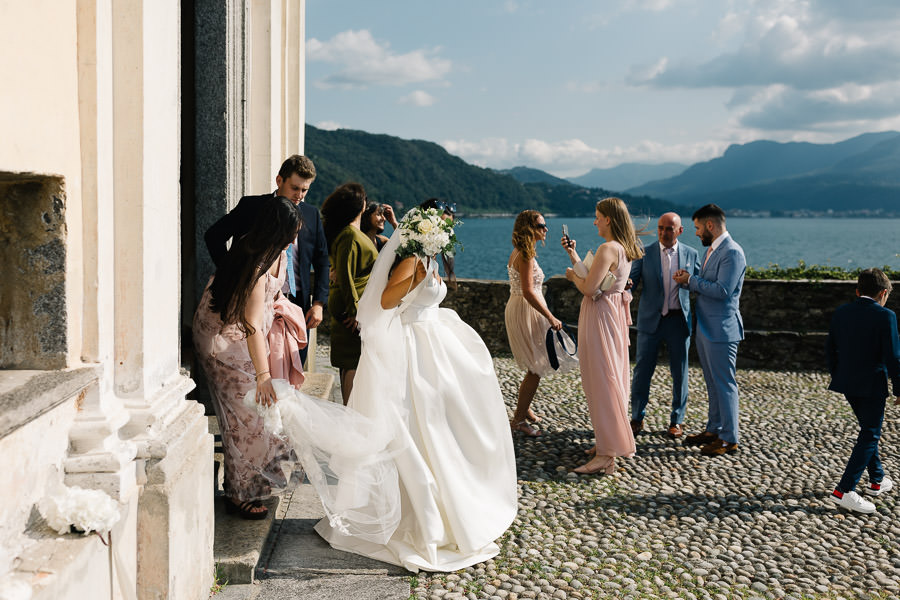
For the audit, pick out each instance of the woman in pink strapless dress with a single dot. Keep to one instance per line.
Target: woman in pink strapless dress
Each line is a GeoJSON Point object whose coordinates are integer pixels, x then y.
{"type": "Point", "coordinates": [527, 316]}
{"type": "Point", "coordinates": [603, 333]}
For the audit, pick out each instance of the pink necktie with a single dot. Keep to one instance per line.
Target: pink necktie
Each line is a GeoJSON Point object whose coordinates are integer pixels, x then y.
{"type": "Point", "coordinates": [667, 281]}
{"type": "Point", "coordinates": [708, 252]}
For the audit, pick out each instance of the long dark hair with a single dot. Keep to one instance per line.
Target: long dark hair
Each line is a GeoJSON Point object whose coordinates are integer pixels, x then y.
{"type": "Point", "coordinates": [372, 208]}
{"type": "Point", "coordinates": [340, 208]}
{"type": "Point", "coordinates": [276, 225]}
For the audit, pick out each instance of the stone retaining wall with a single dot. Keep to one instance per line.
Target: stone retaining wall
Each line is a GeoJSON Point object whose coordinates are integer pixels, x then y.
{"type": "Point", "coordinates": [785, 322]}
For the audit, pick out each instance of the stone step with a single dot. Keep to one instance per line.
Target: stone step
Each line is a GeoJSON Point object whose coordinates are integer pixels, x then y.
{"type": "Point", "coordinates": [239, 542]}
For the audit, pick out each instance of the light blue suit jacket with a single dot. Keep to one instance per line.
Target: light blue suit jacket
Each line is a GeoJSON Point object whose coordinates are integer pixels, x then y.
{"type": "Point", "coordinates": [649, 270]}
{"type": "Point", "coordinates": [719, 291]}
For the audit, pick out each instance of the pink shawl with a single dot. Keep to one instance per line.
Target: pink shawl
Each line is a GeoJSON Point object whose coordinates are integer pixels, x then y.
{"type": "Point", "coordinates": [286, 338]}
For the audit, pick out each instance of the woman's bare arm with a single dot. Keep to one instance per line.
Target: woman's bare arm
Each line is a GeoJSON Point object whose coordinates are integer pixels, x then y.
{"type": "Point", "coordinates": [405, 276]}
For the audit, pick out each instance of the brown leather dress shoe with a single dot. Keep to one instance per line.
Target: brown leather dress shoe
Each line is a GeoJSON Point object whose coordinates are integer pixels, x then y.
{"type": "Point", "coordinates": [718, 448]}
{"type": "Point", "coordinates": [675, 430]}
{"type": "Point", "coordinates": [700, 439]}
{"type": "Point", "coordinates": [636, 426]}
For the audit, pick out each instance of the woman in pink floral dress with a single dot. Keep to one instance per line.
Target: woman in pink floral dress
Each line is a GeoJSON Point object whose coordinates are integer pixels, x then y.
{"type": "Point", "coordinates": [230, 329]}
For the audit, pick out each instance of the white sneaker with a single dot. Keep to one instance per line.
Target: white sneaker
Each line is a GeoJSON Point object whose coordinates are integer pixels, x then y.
{"type": "Point", "coordinates": [877, 489]}
{"type": "Point", "coordinates": [852, 501]}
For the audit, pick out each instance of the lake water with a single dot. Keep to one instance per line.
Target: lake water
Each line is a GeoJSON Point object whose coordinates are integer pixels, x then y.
{"type": "Point", "coordinates": [847, 243]}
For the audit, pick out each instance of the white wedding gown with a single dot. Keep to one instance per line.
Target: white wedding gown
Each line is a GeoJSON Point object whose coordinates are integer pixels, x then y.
{"type": "Point", "coordinates": [451, 445]}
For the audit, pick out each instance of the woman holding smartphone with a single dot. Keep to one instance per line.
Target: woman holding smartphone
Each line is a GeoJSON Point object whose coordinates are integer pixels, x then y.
{"type": "Point", "coordinates": [527, 316]}
{"type": "Point", "coordinates": [603, 333]}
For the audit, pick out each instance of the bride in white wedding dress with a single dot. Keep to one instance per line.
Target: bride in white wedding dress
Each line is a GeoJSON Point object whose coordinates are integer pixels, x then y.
{"type": "Point", "coordinates": [428, 377]}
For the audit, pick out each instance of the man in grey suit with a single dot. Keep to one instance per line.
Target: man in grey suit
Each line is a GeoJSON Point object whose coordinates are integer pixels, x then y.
{"type": "Point", "coordinates": [664, 315]}
{"type": "Point", "coordinates": [719, 328]}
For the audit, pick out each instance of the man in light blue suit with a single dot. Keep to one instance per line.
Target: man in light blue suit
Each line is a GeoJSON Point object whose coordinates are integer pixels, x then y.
{"type": "Point", "coordinates": [719, 328]}
{"type": "Point", "coordinates": [664, 315]}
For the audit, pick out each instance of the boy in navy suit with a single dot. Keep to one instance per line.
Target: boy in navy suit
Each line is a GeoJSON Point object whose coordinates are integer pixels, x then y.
{"type": "Point", "coordinates": [862, 351]}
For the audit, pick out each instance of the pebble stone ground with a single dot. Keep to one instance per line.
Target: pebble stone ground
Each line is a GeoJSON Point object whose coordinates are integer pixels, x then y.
{"type": "Point", "coordinates": [674, 524]}
{"type": "Point", "coordinates": [671, 523]}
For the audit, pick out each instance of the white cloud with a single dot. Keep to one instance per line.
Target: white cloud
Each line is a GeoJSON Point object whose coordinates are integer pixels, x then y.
{"type": "Point", "coordinates": [647, 5]}
{"type": "Point", "coordinates": [568, 158]}
{"type": "Point", "coordinates": [813, 64]}
{"type": "Point", "coordinates": [329, 125]}
{"type": "Point", "coordinates": [418, 98]}
{"type": "Point", "coordinates": [362, 61]}
{"type": "Point", "coordinates": [837, 108]}
{"type": "Point", "coordinates": [805, 45]}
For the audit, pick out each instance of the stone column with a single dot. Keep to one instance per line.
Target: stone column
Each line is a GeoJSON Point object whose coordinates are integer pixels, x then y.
{"type": "Point", "coordinates": [175, 511]}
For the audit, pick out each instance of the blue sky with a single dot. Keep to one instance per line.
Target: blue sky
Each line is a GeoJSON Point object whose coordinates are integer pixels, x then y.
{"type": "Point", "coordinates": [570, 85]}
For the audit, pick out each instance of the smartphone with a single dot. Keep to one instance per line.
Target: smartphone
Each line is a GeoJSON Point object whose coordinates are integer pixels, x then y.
{"type": "Point", "coordinates": [566, 231]}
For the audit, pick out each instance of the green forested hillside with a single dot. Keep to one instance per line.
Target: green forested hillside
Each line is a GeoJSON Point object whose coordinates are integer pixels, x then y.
{"type": "Point", "coordinates": [406, 172]}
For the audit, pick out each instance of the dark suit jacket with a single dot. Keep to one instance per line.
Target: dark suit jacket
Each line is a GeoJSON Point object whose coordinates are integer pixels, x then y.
{"type": "Point", "coordinates": [649, 270]}
{"type": "Point", "coordinates": [312, 249]}
{"type": "Point", "coordinates": [863, 350]}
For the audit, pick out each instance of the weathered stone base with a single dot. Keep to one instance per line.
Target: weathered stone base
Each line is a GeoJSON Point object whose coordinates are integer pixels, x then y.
{"type": "Point", "coordinates": [175, 520]}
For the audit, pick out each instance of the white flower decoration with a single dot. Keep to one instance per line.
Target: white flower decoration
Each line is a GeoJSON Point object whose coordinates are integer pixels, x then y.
{"type": "Point", "coordinates": [85, 510]}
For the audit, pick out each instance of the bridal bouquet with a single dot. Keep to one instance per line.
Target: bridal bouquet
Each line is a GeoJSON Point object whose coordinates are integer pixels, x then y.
{"type": "Point", "coordinates": [425, 233]}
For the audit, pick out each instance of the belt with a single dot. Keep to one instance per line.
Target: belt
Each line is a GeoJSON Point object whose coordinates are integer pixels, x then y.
{"type": "Point", "coordinates": [672, 312]}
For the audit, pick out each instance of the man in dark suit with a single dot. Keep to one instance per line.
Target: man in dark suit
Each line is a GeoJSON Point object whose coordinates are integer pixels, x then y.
{"type": "Point", "coordinates": [309, 252]}
{"type": "Point", "coordinates": [664, 315]}
{"type": "Point", "coordinates": [719, 328]}
{"type": "Point", "coordinates": [862, 351]}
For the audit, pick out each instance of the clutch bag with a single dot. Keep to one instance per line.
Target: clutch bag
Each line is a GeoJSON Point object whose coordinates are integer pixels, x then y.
{"type": "Point", "coordinates": [608, 281]}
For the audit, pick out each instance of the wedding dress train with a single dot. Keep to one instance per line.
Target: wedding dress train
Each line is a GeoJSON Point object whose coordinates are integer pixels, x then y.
{"type": "Point", "coordinates": [452, 447]}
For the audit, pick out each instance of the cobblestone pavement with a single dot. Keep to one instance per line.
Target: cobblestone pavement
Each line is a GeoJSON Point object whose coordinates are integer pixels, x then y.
{"type": "Point", "coordinates": [674, 524]}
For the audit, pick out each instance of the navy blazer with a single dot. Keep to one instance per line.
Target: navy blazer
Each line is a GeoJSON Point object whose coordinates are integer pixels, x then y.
{"type": "Point", "coordinates": [718, 288]}
{"type": "Point", "coordinates": [649, 270]}
{"type": "Point", "coordinates": [863, 350]}
{"type": "Point", "coordinates": [312, 250]}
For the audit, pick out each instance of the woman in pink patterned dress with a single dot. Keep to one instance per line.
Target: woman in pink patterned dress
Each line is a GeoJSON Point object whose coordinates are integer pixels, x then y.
{"type": "Point", "coordinates": [527, 316]}
{"type": "Point", "coordinates": [603, 333]}
{"type": "Point", "coordinates": [230, 329]}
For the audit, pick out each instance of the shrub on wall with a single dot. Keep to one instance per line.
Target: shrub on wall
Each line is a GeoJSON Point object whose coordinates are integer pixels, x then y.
{"type": "Point", "coordinates": [816, 272]}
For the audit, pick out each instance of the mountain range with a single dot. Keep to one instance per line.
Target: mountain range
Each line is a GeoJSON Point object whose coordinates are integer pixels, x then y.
{"type": "Point", "coordinates": [404, 173]}
{"type": "Point", "coordinates": [627, 175]}
{"type": "Point", "coordinates": [859, 175]}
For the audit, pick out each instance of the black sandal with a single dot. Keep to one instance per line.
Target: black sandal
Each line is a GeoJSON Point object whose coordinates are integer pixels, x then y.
{"type": "Point", "coordinates": [246, 509]}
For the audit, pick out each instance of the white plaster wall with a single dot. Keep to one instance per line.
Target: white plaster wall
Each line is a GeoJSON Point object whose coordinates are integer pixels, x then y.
{"type": "Point", "coordinates": [265, 94]}
{"type": "Point", "coordinates": [39, 116]}
{"type": "Point", "coordinates": [95, 59]}
{"type": "Point", "coordinates": [32, 457]}
{"type": "Point", "coordinates": [161, 195]}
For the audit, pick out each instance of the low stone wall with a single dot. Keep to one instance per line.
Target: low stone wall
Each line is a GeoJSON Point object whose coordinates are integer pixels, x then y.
{"type": "Point", "coordinates": [785, 322]}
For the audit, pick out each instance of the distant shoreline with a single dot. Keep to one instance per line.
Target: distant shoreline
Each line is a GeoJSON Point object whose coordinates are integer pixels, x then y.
{"type": "Point", "coordinates": [851, 214]}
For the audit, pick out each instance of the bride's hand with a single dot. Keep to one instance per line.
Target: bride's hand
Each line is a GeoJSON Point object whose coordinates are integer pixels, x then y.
{"type": "Point", "coordinates": [265, 393]}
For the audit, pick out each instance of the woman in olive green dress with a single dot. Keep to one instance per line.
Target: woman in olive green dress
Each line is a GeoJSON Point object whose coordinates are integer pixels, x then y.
{"type": "Point", "coordinates": [352, 255]}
